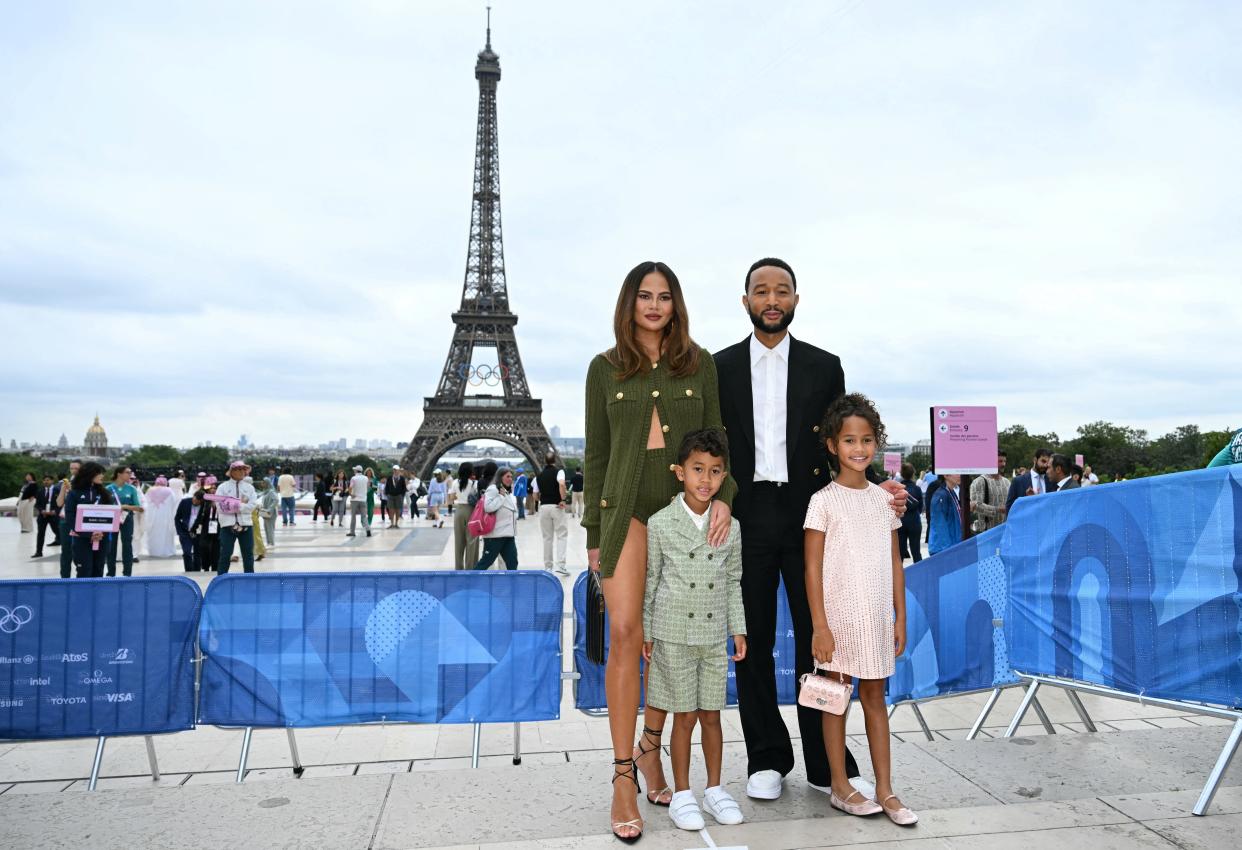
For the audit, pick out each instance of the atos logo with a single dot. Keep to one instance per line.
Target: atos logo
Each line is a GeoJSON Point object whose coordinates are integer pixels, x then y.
{"type": "Point", "coordinates": [74, 656]}
{"type": "Point", "coordinates": [127, 697]}
{"type": "Point", "coordinates": [12, 619]}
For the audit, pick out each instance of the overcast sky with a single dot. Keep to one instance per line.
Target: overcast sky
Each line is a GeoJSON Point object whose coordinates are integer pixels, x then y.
{"type": "Point", "coordinates": [252, 217]}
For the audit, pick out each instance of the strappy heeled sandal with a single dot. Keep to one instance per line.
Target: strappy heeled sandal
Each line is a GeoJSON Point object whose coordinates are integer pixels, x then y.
{"type": "Point", "coordinates": [627, 771]}
{"type": "Point", "coordinates": [902, 816]}
{"type": "Point", "coordinates": [658, 800]}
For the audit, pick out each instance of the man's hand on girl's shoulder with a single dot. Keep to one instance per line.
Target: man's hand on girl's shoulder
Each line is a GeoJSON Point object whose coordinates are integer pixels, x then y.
{"type": "Point", "coordinates": [897, 496]}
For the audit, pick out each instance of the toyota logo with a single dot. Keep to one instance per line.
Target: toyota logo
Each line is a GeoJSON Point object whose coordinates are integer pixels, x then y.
{"type": "Point", "coordinates": [12, 619]}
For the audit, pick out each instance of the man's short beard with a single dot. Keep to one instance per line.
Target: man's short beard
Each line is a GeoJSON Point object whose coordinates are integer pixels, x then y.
{"type": "Point", "coordinates": [760, 324]}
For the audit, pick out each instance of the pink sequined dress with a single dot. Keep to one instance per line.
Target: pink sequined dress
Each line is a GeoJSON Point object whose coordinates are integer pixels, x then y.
{"type": "Point", "coordinates": [858, 530]}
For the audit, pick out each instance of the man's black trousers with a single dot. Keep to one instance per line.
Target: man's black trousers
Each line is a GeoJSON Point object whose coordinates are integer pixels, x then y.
{"type": "Point", "coordinates": [772, 550]}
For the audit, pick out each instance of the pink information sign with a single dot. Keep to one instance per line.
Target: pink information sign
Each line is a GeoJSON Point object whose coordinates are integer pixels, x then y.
{"type": "Point", "coordinates": [892, 462]}
{"type": "Point", "coordinates": [1078, 459]}
{"type": "Point", "coordinates": [964, 439]}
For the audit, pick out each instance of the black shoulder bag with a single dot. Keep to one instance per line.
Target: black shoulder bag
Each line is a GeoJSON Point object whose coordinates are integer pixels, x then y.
{"type": "Point", "coordinates": [595, 612]}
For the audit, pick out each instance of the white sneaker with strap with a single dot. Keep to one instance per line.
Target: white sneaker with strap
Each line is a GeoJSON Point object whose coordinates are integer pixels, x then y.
{"type": "Point", "coordinates": [685, 812]}
{"type": "Point", "coordinates": [722, 806]}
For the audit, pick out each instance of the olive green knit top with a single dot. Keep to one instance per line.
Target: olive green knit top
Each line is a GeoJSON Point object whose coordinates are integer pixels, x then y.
{"type": "Point", "coordinates": [618, 421]}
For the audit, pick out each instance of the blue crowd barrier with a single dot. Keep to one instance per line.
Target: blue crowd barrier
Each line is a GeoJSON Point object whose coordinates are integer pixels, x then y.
{"type": "Point", "coordinates": [323, 649]}
{"type": "Point", "coordinates": [589, 687]}
{"type": "Point", "coordinates": [1133, 586]}
{"type": "Point", "coordinates": [97, 657]}
{"type": "Point", "coordinates": [956, 603]}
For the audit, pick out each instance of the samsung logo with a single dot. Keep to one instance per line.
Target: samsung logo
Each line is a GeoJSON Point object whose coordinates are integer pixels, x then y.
{"type": "Point", "coordinates": [11, 703]}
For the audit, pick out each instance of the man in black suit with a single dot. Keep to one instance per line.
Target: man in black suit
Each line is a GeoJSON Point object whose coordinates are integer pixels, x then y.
{"type": "Point", "coordinates": [1032, 482]}
{"type": "Point", "coordinates": [185, 521]}
{"type": "Point", "coordinates": [1061, 474]}
{"type": "Point", "coordinates": [48, 514]}
{"type": "Point", "coordinates": [774, 391]}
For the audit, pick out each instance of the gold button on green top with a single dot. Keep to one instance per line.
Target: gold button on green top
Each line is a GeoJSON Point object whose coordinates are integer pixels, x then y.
{"type": "Point", "coordinates": [672, 467]}
{"type": "Point", "coordinates": [655, 393]}
{"type": "Point", "coordinates": [620, 395]}
{"type": "Point", "coordinates": [689, 392]}
{"type": "Point", "coordinates": [603, 503]}
{"type": "Point", "coordinates": [664, 429]}
{"type": "Point", "coordinates": [816, 429]}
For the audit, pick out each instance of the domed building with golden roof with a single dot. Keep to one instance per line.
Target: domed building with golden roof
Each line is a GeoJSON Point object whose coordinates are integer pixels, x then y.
{"type": "Point", "coordinates": [96, 444]}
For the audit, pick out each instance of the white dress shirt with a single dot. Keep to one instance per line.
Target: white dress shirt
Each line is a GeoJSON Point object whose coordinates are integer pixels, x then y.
{"type": "Point", "coordinates": [769, 383]}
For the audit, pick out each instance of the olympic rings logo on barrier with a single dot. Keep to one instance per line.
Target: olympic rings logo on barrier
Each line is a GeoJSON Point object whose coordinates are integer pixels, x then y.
{"type": "Point", "coordinates": [13, 619]}
{"type": "Point", "coordinates": [480, 375]}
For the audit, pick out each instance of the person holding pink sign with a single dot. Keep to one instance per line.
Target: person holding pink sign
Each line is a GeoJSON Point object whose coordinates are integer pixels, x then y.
{"type": "Point", "coordinates": [87, 488]}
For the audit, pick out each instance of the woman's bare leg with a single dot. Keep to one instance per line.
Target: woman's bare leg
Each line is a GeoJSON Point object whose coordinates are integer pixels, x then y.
{"type": "Point", "coordinates": [623, 593]}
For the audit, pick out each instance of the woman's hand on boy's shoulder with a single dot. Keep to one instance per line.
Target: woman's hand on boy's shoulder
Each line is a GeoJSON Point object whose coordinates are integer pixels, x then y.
{"type": "Point", "coordinates": [719, 523]}
{"type": "Point", "coordinates": [647, 647]}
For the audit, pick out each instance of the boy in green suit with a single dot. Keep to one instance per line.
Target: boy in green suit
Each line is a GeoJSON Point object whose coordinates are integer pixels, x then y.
{"type": "Point", "coordinates": [693, 602]}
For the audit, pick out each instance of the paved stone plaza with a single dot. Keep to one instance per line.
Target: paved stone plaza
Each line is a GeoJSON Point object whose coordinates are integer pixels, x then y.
{"type": "Point", "coordinates": [1131, 784]}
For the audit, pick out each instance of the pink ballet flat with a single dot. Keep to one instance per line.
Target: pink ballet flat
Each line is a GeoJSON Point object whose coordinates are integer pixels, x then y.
{"type": "Point", "coordinates": [902, 816]}
{"type": "Point", "coordinates": [861, 809]}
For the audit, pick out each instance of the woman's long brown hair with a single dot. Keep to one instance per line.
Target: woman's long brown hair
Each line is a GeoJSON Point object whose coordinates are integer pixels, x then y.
{"type": "Point", "coordinates": [677, 348]}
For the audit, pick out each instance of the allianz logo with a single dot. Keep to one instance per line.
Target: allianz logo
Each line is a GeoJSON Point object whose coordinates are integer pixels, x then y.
{"type": "Point", "coordinates": [67, 700]}
{"type": "Point", "coordinates": [125, 697]}
{"type": "Point", "coordinates": [98, 679]}
{"type": "Point", "coordinates": [4, 659]}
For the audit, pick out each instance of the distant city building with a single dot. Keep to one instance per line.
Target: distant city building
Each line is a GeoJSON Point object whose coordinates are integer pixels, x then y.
{"type": "Point", "coordinates": [360, 444]}
{"type": "Point", "coordinates": [243, 442]}
{"type": "Point", "coordinates": [63, 442]}
{"type": "Point", "coordinates": [96, 444]}
{"type": "Point", "coordinates": [569, 446]}
{"type": "Point", "coordinates": [556, 432]}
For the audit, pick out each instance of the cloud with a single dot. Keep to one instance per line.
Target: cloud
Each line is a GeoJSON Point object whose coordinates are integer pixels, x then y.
{"type": "Point", "coordinates": [246, 220]}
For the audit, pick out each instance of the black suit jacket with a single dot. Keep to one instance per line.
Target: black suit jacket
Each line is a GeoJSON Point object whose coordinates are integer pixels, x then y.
{"type": "Point", "coordinates": [41, 502]}
{"type": "Point", "coordinates": [815, 381]}
{"type": "Point", "coordinates": [1019, 486]}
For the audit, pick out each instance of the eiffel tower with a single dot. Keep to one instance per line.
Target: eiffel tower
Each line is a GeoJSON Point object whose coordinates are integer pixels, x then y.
{"type": "Point", "coordinates": [452, 417]}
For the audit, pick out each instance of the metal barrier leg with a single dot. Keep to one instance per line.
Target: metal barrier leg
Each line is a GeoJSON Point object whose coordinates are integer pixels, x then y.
{"type": "Point", "coordinates": [517, 743]}
{"type": "Point", "coordinates": [99, 750]}
{"type": "Point", "coordinates": [1043, 717]}
{"type": "Point", "coordinates": [245, 754]}
{"type": "Point", "coordinates": [155, 765]}
{"type": "Point", "coordinates": [474, 750]}
{"type": "Point", "coordinates": [918, 714]}
{"type": "Point", "coordinates": [983, 715]}
{"type": "Point", "coordinates": [892, 709]}
{"type": "Point", "coordinates": [1022, 709]}
{"type": "Point", "coordinates": [1076, 701]}
{"type": "Point", "coordinates": [1218, 771]}
{"type": "Point", "coordinates": [293, 751]}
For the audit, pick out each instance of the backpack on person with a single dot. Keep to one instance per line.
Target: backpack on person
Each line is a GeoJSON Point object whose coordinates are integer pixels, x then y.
{"type": "Point", "coordinates": [481, 523]}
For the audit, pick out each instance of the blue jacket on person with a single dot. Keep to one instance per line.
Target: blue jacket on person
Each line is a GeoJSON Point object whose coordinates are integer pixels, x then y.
{"type": "Point", "coordinates": [913, 518]}
{"type": "Point", "coordinates": [946, 521]}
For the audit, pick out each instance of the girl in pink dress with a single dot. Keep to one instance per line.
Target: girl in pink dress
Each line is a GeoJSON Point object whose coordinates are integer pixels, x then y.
{"type": "Point", "coordinates": [857, 596]}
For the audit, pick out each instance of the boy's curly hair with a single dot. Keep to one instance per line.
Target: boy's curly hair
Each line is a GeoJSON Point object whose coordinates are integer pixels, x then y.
{"type": "Point", "coordinates": [851, 404]}
{"type": "Point", "coordinates": [710, 440]}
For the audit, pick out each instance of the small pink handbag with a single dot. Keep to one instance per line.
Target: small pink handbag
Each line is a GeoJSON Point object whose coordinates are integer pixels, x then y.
{"type": "Point", "coordinates": [824, 694]}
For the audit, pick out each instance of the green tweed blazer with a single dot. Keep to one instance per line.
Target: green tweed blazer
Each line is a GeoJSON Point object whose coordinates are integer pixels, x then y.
{"type": "Point", "coordinates": [618, 418]}
{"type": "Point", "coordinates": [694, 591]}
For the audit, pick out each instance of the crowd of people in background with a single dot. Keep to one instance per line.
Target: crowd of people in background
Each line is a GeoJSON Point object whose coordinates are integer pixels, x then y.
{"type": "Point", "coordinates": [209, 520]}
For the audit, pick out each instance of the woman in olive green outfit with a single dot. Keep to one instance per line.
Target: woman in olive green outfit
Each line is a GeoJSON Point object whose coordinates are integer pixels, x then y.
{"type": "Point", "coordinates": [642, 397]}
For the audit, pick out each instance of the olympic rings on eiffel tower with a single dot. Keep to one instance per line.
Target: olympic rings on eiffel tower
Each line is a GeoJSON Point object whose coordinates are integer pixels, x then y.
{"type": "Point", "coordinates": [480, 375]}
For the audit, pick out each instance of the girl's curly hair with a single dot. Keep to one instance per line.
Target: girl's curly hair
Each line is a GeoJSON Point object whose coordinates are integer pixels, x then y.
{"type": "Point", "coordinates": [851, 404]}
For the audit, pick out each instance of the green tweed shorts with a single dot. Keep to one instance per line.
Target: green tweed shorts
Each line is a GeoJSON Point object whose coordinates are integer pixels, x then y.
{"type": "Point", "coordinates": [687, 678]}
{"type": "Point", "coordinates": [657, 485]}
